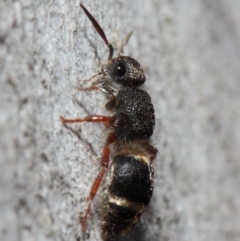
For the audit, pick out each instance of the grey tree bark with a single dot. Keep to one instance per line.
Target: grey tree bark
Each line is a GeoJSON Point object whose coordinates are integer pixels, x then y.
{"type": "Point", "coordinates": [191, 54]}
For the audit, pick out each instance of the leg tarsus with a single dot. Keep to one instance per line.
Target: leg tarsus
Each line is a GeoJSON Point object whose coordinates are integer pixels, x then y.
{"type": "Point", "coordinates": [84, 221]}
{"type": "Point", "coordinates": [93, 86]}
{"type": "Point", "coordinates": [92, 194]}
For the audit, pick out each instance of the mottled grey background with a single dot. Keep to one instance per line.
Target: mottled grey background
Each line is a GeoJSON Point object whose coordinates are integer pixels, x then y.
{"type": "Point", "coordinates": [191, 54]}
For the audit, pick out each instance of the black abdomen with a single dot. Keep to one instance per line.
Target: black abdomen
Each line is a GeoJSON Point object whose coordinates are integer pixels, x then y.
{"type": "Point", "coordinates": [117, 220]}
{"type": "Point", "coordinates": [130, 180]}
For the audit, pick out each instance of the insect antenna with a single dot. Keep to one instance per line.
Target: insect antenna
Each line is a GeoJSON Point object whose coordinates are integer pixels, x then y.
{"type": "Point", "coordinates": [100, 31]}
{"type": "Point", "coordinates": [124, 42]}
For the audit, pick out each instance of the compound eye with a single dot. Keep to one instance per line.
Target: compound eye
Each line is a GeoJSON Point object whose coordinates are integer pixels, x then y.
{"type": "Point", "coordinates": [119, 69]}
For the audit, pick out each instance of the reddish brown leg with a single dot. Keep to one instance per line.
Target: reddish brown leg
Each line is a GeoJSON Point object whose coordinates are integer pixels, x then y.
{"type": "Point", "coordinates": [107, 120]}
{"type": "Point", "coordinates": [93, 86]}
{"type": "Point", "coordinates": [104, 163]}
{"type": "Point", "coordinates": [106, 149]}
{"type": "Point", "coordinates": [92, 194]}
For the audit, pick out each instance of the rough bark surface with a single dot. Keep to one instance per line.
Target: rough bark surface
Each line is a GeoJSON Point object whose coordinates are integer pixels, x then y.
{"type": "Point", "coordinates": [191, 54]}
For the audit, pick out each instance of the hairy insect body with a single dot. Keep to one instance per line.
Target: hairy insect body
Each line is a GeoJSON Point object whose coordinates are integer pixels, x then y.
{"type": "Point", "coordinates": [128, 168]}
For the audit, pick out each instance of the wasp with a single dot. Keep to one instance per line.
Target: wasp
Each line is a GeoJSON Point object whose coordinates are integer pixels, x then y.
{"type": "Point", "coordinates": [127, 155]}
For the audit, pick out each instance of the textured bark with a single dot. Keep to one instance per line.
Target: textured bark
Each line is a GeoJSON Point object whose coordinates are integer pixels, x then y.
{"type": "Point", "coordinates": [191, 54]}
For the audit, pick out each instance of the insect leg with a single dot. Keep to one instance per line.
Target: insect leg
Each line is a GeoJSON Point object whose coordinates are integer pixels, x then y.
{"type": "Point", "coordinates": [107, 120]}
{"type": "Point", "coordinates": [111, 138]}
{"type": "Point", "coordinates": [92, 87]}
{"type": "Point", "coordinates": [94, 84]}
{"type": "Point", "coordinates": [104, 163]}
{"type": "Point", "coordinates": [92, 194]}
